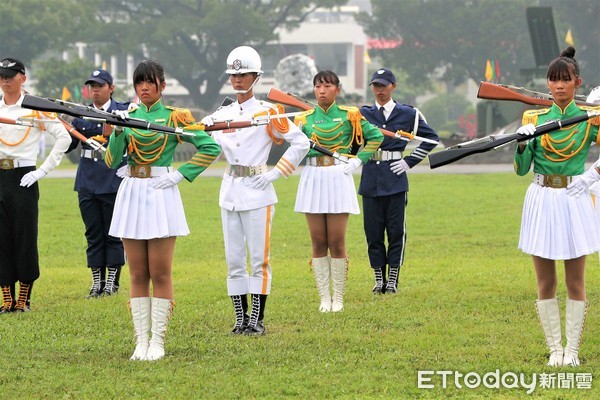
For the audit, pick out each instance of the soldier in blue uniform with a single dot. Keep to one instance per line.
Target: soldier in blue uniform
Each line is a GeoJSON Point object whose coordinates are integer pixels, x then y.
{"type": "Point", "coordinates": [384, 184]}
{"type": "Point", "coordinates": [97, 185]}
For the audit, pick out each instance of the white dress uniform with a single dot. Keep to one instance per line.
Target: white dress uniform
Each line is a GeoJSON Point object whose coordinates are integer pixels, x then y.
{"type": "Point", "coordinates": [247, 213]}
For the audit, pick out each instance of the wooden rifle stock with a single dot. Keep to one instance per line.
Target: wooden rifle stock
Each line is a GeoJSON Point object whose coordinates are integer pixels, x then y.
{"type": "Point", "coordinates": [494, 91]}
{"type": "Point", "coordinates": [487, 143]}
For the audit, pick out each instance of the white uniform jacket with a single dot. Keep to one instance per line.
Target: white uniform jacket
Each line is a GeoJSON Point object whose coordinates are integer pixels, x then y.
{"type": "Point", "coordinates": [20, 142]}
{"type": "Point", "coordinates": [250, 147]}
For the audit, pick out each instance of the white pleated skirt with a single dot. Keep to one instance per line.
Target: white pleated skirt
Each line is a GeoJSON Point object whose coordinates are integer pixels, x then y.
{"type": "Point", "coordinates": [557, 226]}
{"type": "Point", "coordinates": [143, 212]}
{"type": "Point", "coordinates": [326, 190]}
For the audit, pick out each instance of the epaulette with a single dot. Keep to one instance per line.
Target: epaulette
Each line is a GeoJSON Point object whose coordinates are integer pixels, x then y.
{"type": "Point", "coordinates": [531, 116]}
{"type": "Point", "coordinates": [302, 117]}
{"type": "Point", "coordinates": [181, 115]}
{"type": "Point", "coordinates": [353, 112]}
{"type": "Point", "coordinates": [593, 121]}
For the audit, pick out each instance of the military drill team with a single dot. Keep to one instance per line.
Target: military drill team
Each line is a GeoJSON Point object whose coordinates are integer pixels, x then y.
{"type": "Point", "coordinates": [133, 212]}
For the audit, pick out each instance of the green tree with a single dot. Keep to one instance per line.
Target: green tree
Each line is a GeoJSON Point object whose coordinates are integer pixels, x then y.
{"type": "Point", "coordinates": [52, 75]}
{"type": "Point", "coordinates": [192, 38]}
{"type": "Point", "coordinates": [30, 27]}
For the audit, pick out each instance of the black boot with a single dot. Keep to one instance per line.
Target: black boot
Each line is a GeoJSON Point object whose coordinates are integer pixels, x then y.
{"type": "Point", "coordinates": [240, 306]}
{"type": "Point", "coordinates": [23, 301]}
{"type": "Point", "coordinates": [379, 287]}
{"type": "Point", "coordinates": [97, 285]}
{"type": "Point", "coordinates": [8, 298]}
{"type": "Point", "coordinates": [255, 325]}
{"type": "Point", "coordinates": [112, 281]}
{"type": "Point", "coordinates": [392, 283]}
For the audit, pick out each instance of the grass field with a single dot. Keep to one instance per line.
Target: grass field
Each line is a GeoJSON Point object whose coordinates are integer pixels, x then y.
{"type": "Point", "coordinates": [465, 304]}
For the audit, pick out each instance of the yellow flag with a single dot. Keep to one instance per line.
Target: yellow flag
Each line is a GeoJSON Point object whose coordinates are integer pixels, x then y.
{"type": "Point", "coordinates": [66, 94]}
{"type": "Point", "coordinates": [488, 71]}
{"type": "Point", "coordinates": [569, 38]}
{"type": "Point", "coordinates": [367, 59]}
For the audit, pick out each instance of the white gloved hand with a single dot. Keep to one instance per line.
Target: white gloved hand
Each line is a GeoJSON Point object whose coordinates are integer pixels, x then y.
{"type": "Point", "coordinates": [32, 177]}
{"type": "Point", "coordinates": [352, 164]}
{"type": "Point", "coordinates": [584, 181]}
{"type": "Point", "coordinates": [122, 114]}
{"type": "Point", "coordinates": [263, 180]}
{"type": "Point", "coordinates": [207, 121]}
{"type": "Point", "coordinates": [399, 167]}
{"type": "Point", "coordinates": [122, 171]}
{"type": "Point", "coordinates": [527, 130]}
{"type": "Point", "coordinates": [168, 180]}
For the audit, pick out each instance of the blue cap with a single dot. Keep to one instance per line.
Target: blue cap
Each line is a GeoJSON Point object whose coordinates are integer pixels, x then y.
{"type": "Point", "coordinates": [383, 76]}
{"type": "Point", "coordinates": [100, 76]}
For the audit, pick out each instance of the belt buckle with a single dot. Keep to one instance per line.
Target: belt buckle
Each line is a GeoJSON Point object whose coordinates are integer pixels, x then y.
{"type": "Point", "coordinates": [556, 181]}
{"type": "Point", "coordinates": [7, 163]}
{"type": "Point", "coordinates": [140, 171]}
{"type": "Point", "coordinates": [324, 161]}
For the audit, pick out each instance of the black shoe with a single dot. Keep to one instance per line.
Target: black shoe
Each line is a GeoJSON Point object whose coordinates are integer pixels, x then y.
{"type": "Point", "coordinates": [238, 330]}
{"type": "Point", "coordinates": [95, 293]}
{"type": "Point", "coordinates": [257, 330]}
{"type": "Point", "coordinates": [379, 288]}
{"type": "Point", "coordinates": [390, 290]}
{"type": "Point", "coordinates": [7, 309]}
{"type": "Point", "coordinates": [24, 309]}
{"type": "Point", "coordinates": [110, 292]}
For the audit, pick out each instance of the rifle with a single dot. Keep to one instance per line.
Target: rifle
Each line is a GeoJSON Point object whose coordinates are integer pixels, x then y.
{"type": "Point", "coordinates": [293, 100]}
{"type": "Point", "coordinates": [76, 134]}
{"type": "Point", "coordinates": [495, 91]}
{"type": "Point", "coordinates": [494, 142]}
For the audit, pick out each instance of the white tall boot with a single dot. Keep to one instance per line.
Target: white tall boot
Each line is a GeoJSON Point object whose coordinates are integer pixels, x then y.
{"type": "Point", "coordinates": [161, 313]}
{"type": "Point", "coordinates": [549, 314]}
{"type": "Point", "coordinates": [320, 267]}
{"type": "Point", "coordinates": [339, 272]}
{"type": "Point", "coordinates": [140, 313]}
{"type": "Point", "coordinates": [575, 317]}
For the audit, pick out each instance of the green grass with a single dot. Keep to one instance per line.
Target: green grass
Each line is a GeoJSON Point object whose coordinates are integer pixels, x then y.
{"type": "Point", "coordinates": [466, 303]}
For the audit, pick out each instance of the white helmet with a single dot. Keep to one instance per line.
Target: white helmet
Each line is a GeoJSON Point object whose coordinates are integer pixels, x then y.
{"type": "Point", "coordinates": [242, 60]}
{"type": "Point", "coordinates": [594, 96]}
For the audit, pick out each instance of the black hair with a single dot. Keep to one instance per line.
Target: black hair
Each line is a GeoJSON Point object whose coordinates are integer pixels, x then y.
{"type": "Point", "coordinates": [326, 76]}
{"type": "Point", "coordinates": [559, 68]}
{"type": "Point", "coordinates": [149, 71]}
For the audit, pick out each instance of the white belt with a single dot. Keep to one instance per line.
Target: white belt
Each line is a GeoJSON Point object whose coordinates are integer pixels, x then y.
{"type": "Point", "coordinates": [552, 181]}
{"type": "Point", "coordinates": [384, 155]}
{"type": "Point", "coordinates": [146, 171]}
{"type": "Point", "coordinates": [244, 170]}
{"type": "Point", "coordinates": [9, 163]}
{"type": "Point", "coordinates": [91, 154]}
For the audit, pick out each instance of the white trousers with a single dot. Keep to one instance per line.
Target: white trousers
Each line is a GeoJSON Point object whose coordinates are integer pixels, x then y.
{"type": "Point", "coordinates": [252, 230]}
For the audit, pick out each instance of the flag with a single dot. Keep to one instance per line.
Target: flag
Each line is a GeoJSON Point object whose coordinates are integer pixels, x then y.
{"type": "Point", "coordinates": [66, 94]}
{"type": "Point", "coordinates": [76, 93]}
{"type": "Point", "coordinates": [497, 65]}
{"type": "Point", "coordinates": [85, 92]}
{"type": "Point", "coordinates": [367, 59]}
{"type": "Point", "coordinates": [569, 38]}
{"type": "Point", "coordinates": [488, 71]}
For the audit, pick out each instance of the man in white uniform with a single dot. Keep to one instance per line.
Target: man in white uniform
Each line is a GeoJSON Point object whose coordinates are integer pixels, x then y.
{"type": "Point", "coordinates": [247, 195]}
{"type": "Point", "coordinates": [19, 192]}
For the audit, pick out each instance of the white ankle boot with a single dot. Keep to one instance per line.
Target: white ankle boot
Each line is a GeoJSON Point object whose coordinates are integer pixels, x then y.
{"type": "Point", "coordinates": [321, 269]}
{"type": "Point", "coordinates": [575, 318]}
{"type": "Point", "coordinates": [140, 313]}
{"type": "Point", "coordinates": [549, 314]}
{"type": "Point", "coordinates": [339, 272]}
{"type": "Point", "coordinates": [161, 313]}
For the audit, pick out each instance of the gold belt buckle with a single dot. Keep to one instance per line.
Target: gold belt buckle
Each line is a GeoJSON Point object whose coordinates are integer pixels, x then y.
{"type": "Point", "coordinates": [556, 181]}
{"type": "Point", "coordinates": [140, 171]}
{"type": "Point", "coordinates": [7, 163]}
{"type": "Point", "coordinates": [325, 161]}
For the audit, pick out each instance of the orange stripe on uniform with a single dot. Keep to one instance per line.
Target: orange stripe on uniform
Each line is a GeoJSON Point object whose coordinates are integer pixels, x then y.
{"type": "Point", "coordinates": [265, 272]}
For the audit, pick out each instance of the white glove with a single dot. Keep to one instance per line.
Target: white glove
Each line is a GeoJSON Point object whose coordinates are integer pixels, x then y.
{"type": "Point", "coordinates": [353, 163]}
{"type": "Point", "coordinates": [399, 167]}
{"type": "Point", "coordinates": [122, 171]}
{"type": "Point", "coordinates": [168, 180]}
{"type": "Point", "coordinates": [263, 180]}
{"type": "Point", "coordinates": [207, 121]}
{"type": "Point", "coordinates": [583, 182]}
{"type": "Point", "coordinates": [122, 114]}
{"type": "Point", "coordinates": [32, 177]}
{"type": "Point", "coordinates": [527, 130]}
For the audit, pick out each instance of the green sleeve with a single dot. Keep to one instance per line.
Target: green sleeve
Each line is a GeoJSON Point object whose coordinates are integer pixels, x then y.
{"type": "Point", "coordinates": [373, 138]}
{"type": "Point", "coordinates": [523, 159]}
{"type": "Point", "coordinates": [207, 151]}
{"type": "Point", "coordinates": [116, 148]}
